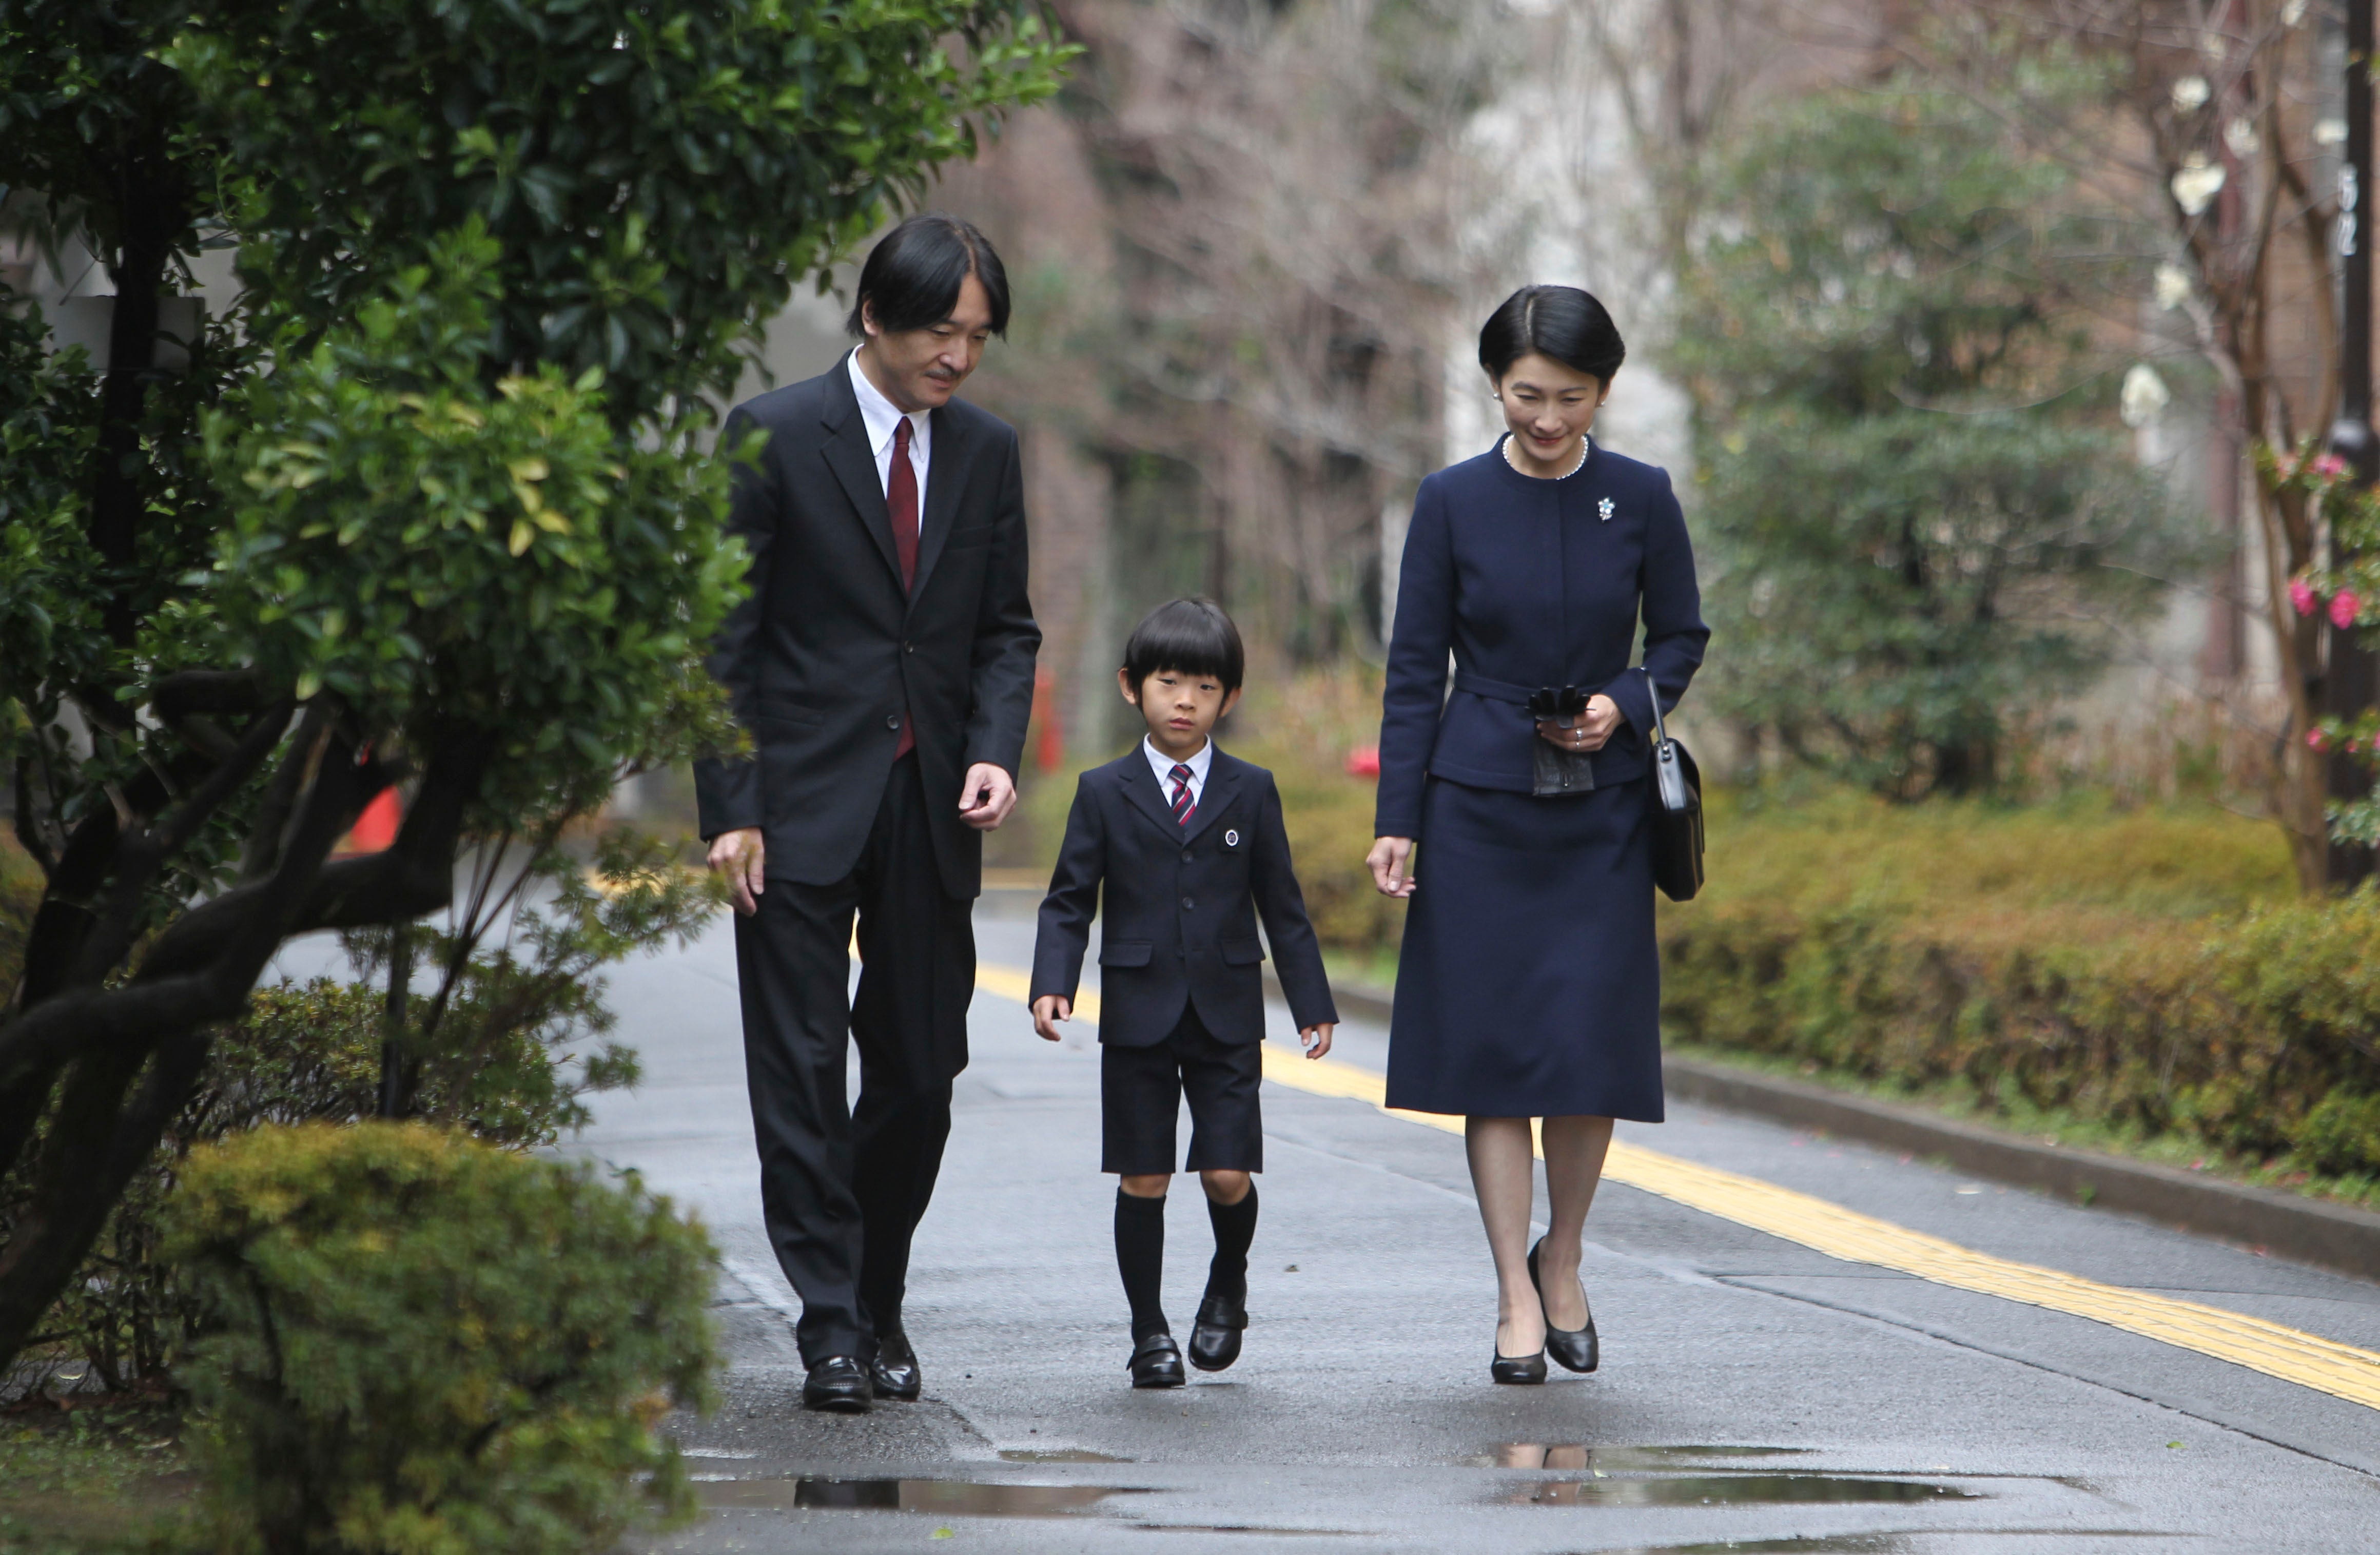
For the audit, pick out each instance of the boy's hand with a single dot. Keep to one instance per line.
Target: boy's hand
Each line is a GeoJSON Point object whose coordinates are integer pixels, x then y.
{"type": "Point", "coordinates": [1317, 1037]}
{"type": "Point", "coordinates": [1047, 1011]}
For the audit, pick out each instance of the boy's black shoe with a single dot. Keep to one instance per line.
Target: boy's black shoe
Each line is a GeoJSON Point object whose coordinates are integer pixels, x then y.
{"type": "Point", "coordinates": [838, 1383]}
{"type": "Point", "coordinates": [1156, 1362]}
{"type": "Point", "coordinates": [895, 1370]}
{"type": "Point", "coordinates": [1215, 1338]}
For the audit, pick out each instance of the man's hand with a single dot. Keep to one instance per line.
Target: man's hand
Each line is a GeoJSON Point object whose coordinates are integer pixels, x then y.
{"type": "Point", "coordinates": [737, 856]}
{"type": "Point", "coordinates": [987, 795]}
{"type": "Point", "coordinates": [1047, 1011]}
{"type": "Point", "coordinates": [1317, 1037]}
{"type": "Point", "coordinates": [1391, 865]}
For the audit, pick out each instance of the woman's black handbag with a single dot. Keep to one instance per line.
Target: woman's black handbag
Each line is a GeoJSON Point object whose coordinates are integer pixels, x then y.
{"type": "Point", "coordinates": [1677, 791]}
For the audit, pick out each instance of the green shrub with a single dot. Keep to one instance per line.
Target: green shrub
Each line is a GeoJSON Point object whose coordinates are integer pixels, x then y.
{"type": "Point", "coordinates": [419, 1344]}
{"type": "Point", "coordinates": [518, 1037]}
{"type": "Point", "coordinates": [2252, 1033]}
{"type": "Point", "coordinates": [2342, 1132]}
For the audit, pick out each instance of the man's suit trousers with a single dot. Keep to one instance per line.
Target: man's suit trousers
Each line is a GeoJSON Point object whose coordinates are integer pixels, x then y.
{"type": "Point", "coordinates": [843, 1187]}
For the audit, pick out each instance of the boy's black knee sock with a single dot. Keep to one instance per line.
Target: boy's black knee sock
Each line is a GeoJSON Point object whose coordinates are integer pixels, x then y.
{"type": "Point", "coordinates": [1140, 1258]}
{"type": "Point", "coordinates": [1235, 1228]}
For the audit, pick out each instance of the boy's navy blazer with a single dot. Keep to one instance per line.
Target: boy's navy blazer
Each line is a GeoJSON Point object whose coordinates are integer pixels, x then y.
{"type": "Point", "coordinates": [1179, 924]}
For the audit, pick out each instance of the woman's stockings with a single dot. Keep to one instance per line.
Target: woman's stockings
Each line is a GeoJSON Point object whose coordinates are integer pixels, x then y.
{"type": "Point", "coordinates": [1502, 1173]}
{"type": "Point", "coordinates": [1574, 1151]}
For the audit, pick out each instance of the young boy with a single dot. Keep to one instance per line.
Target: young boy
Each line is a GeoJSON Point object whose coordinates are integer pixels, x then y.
{"type": "Point", "coordinates": [1190, 846]}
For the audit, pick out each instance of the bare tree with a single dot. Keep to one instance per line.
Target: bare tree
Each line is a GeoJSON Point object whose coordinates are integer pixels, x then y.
{"type": "Point", "coordinates": [1265, 285]}
{"type": "Point", "coordinates": [2212, 120]}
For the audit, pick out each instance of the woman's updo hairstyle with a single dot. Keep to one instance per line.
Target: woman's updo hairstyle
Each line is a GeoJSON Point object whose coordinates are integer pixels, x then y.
{"type": "Point", "coordinates": [1559, 321]}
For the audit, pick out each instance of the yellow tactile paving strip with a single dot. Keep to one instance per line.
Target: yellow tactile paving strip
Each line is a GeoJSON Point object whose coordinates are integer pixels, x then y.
{"type": "Point", "coordinates": [2291, 1355]}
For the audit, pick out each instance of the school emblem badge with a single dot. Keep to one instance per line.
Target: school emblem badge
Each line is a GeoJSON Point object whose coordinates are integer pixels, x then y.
{"type": "Point", "coordinates": [1231, 839]}
{"type": "Point", "coordinates": [1603, 510]}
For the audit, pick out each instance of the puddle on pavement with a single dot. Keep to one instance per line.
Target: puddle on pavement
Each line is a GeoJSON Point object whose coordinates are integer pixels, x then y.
{"type": "Point", "coordinates": [1727, 1489]}
{"type": "Point", "coordinates": [954, 1498]}
{"type": "Point", "coordinates": [1579, 1455]}
{"type": "Point", "coordinates": [1850, 1544]}
{"type": "Point", "coordinates": [1057, 1455]}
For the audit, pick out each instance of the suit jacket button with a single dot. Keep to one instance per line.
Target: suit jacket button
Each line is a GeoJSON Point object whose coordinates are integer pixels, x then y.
{"type": "Point", "coordinates": [892, 721]}
{"type": "Point", "coordinates": [1188, 904]}
{"type": "Point", "coordinates": [908, 648]}
{"type": "Point", "coordinates": [1185, 855]}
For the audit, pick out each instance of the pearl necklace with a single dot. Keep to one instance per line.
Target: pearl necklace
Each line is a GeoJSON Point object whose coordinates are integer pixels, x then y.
{"type": "Point", "coordinates": [1583, 446]}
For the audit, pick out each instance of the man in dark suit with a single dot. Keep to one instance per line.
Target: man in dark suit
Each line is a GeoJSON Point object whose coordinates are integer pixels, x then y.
{"type": "Point", "coordinates": [884, 666]}
{"type": "Point", "coordinates": [1189, 845]}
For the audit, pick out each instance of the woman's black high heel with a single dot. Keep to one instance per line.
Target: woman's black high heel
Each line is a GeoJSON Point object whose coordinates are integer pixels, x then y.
{"type": "Point", "coordinates": [1576, 1348]}
{"type": "Point", "coordinates": [1521, 1369]}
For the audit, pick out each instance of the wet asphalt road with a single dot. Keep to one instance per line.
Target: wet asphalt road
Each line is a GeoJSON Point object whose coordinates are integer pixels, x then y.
{"type": "Point", "coordinates": [1752, 1391]}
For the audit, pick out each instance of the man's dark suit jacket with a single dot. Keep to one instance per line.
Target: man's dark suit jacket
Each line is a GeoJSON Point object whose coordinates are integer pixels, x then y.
{"type": "Point", "coordinates": [830, 654]}
{"type": "Point", "coordinates": [1180, 925]}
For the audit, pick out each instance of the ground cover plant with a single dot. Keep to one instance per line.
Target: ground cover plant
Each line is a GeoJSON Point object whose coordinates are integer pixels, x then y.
{"type": "Point", "coordinates": [106, 1480]}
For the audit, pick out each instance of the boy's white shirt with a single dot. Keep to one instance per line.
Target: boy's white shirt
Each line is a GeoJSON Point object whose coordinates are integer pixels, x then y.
{"type": "Point", "coordinates": [1163, 766]}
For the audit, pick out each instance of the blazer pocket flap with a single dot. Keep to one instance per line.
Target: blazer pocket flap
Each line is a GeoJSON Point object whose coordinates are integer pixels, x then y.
{"type": "Point", "coordinates": [1241, 953]}
{"type": "Point", "coordinates": [785, 718]}
{"type": "Point", "coordinates": [1123, 953]}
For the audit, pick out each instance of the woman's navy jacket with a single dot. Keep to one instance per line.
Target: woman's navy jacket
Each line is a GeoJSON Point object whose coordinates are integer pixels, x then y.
{"type": "Point", "coordinates": [1531, 583]}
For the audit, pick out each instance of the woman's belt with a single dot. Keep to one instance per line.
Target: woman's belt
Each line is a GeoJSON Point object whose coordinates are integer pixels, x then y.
{"type": "Point", "coordinates": [1552, 771]}
{"type": "Point", "coordinates": [1494, 690]}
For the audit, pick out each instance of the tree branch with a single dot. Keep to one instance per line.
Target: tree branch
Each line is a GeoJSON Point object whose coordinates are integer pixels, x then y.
{"type": "Point", "coordinates": [90, 1164]}
{"type": "Point", "coordinates": [147, 852]}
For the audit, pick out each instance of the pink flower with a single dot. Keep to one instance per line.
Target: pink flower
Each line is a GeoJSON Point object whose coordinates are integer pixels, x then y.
{"type": "Point", "coordinates": [2317, 740]}
{"type": "Point", "coordinates": [2344, 607]}
{"type": "Point", "coordinates": [2302, 596]}
{"type": "Point", "coordinates": [1364, 762]}
{"type": "Point", "coordinates": [2330, 466]}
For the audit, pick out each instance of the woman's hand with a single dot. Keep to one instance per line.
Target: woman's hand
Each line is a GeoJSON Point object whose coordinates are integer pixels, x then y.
{"type": "Point", "coordinates": [1596, 725]}
{"type": "Point", "coordinates": [1391, 861]}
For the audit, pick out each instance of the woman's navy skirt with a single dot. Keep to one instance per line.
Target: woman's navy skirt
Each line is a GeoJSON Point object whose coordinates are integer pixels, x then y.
{"type": "Point", "coordinates": [1530, 984]}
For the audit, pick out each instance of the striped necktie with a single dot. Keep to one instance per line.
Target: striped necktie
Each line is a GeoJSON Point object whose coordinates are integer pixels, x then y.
{"type": "Point", "coordinates": [1184, 806]}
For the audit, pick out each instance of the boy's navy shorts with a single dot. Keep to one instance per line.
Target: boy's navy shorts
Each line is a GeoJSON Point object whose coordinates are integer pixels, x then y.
{"type": "Point", "coordinates": [1140, 1097]}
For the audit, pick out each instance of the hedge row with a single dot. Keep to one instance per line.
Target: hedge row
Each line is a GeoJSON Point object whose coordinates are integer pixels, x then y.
{"type": "Point", "coordinates": [2257, 1033]}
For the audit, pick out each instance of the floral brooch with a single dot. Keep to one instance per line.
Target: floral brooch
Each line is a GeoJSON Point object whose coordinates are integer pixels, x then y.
{"type": "Point", "coordinates": [1603, 510]}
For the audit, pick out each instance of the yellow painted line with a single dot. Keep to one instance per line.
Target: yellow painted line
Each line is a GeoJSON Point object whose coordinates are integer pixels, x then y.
{"type": "Point", "coordinates": [2274, 1349]}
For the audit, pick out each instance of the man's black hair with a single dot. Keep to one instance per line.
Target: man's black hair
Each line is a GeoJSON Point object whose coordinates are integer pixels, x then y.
{"type": "Point", "coordinates": [913, 275]}
{"type": "Point", "coordinates": [1562, 322]}
{"type": "Point", "coordinates": [1188, 637]}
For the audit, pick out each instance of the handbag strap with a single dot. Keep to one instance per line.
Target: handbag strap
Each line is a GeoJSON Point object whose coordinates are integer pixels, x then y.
{"type": "Point", "coordinates": [1653, 689]}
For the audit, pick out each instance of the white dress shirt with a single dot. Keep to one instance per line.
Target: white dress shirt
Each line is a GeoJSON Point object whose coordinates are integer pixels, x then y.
{"type": "Point", "coordinates": [1164, 766]}
{"type": "Point", "coordinates": [883, 418]}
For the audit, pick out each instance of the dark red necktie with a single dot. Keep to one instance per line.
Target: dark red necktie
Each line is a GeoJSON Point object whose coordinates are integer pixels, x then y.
{"type": "Point", "coordinates": [1185, 806]}
{"type": "Point", "coordinates": [901, 496]}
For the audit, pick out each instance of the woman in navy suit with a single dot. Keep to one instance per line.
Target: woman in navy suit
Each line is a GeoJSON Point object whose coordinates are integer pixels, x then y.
{"type": "Point", "coordinates": [1530, 985]}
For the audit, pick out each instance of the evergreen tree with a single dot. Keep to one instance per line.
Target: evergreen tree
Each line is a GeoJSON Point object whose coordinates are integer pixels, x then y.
{"type": "Point", "coordinates": [1914, 495]}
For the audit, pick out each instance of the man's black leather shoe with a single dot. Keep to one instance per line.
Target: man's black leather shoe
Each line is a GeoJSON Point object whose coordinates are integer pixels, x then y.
{"type": "Point", "coordinates": [1156, 1362]}
{"type": "Point", "coordinates": [1215, 1338]}
{"type": "Point", "coordinates": [838, 1383]}
{"type": "Point", "coordinates": [895, 1370]}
